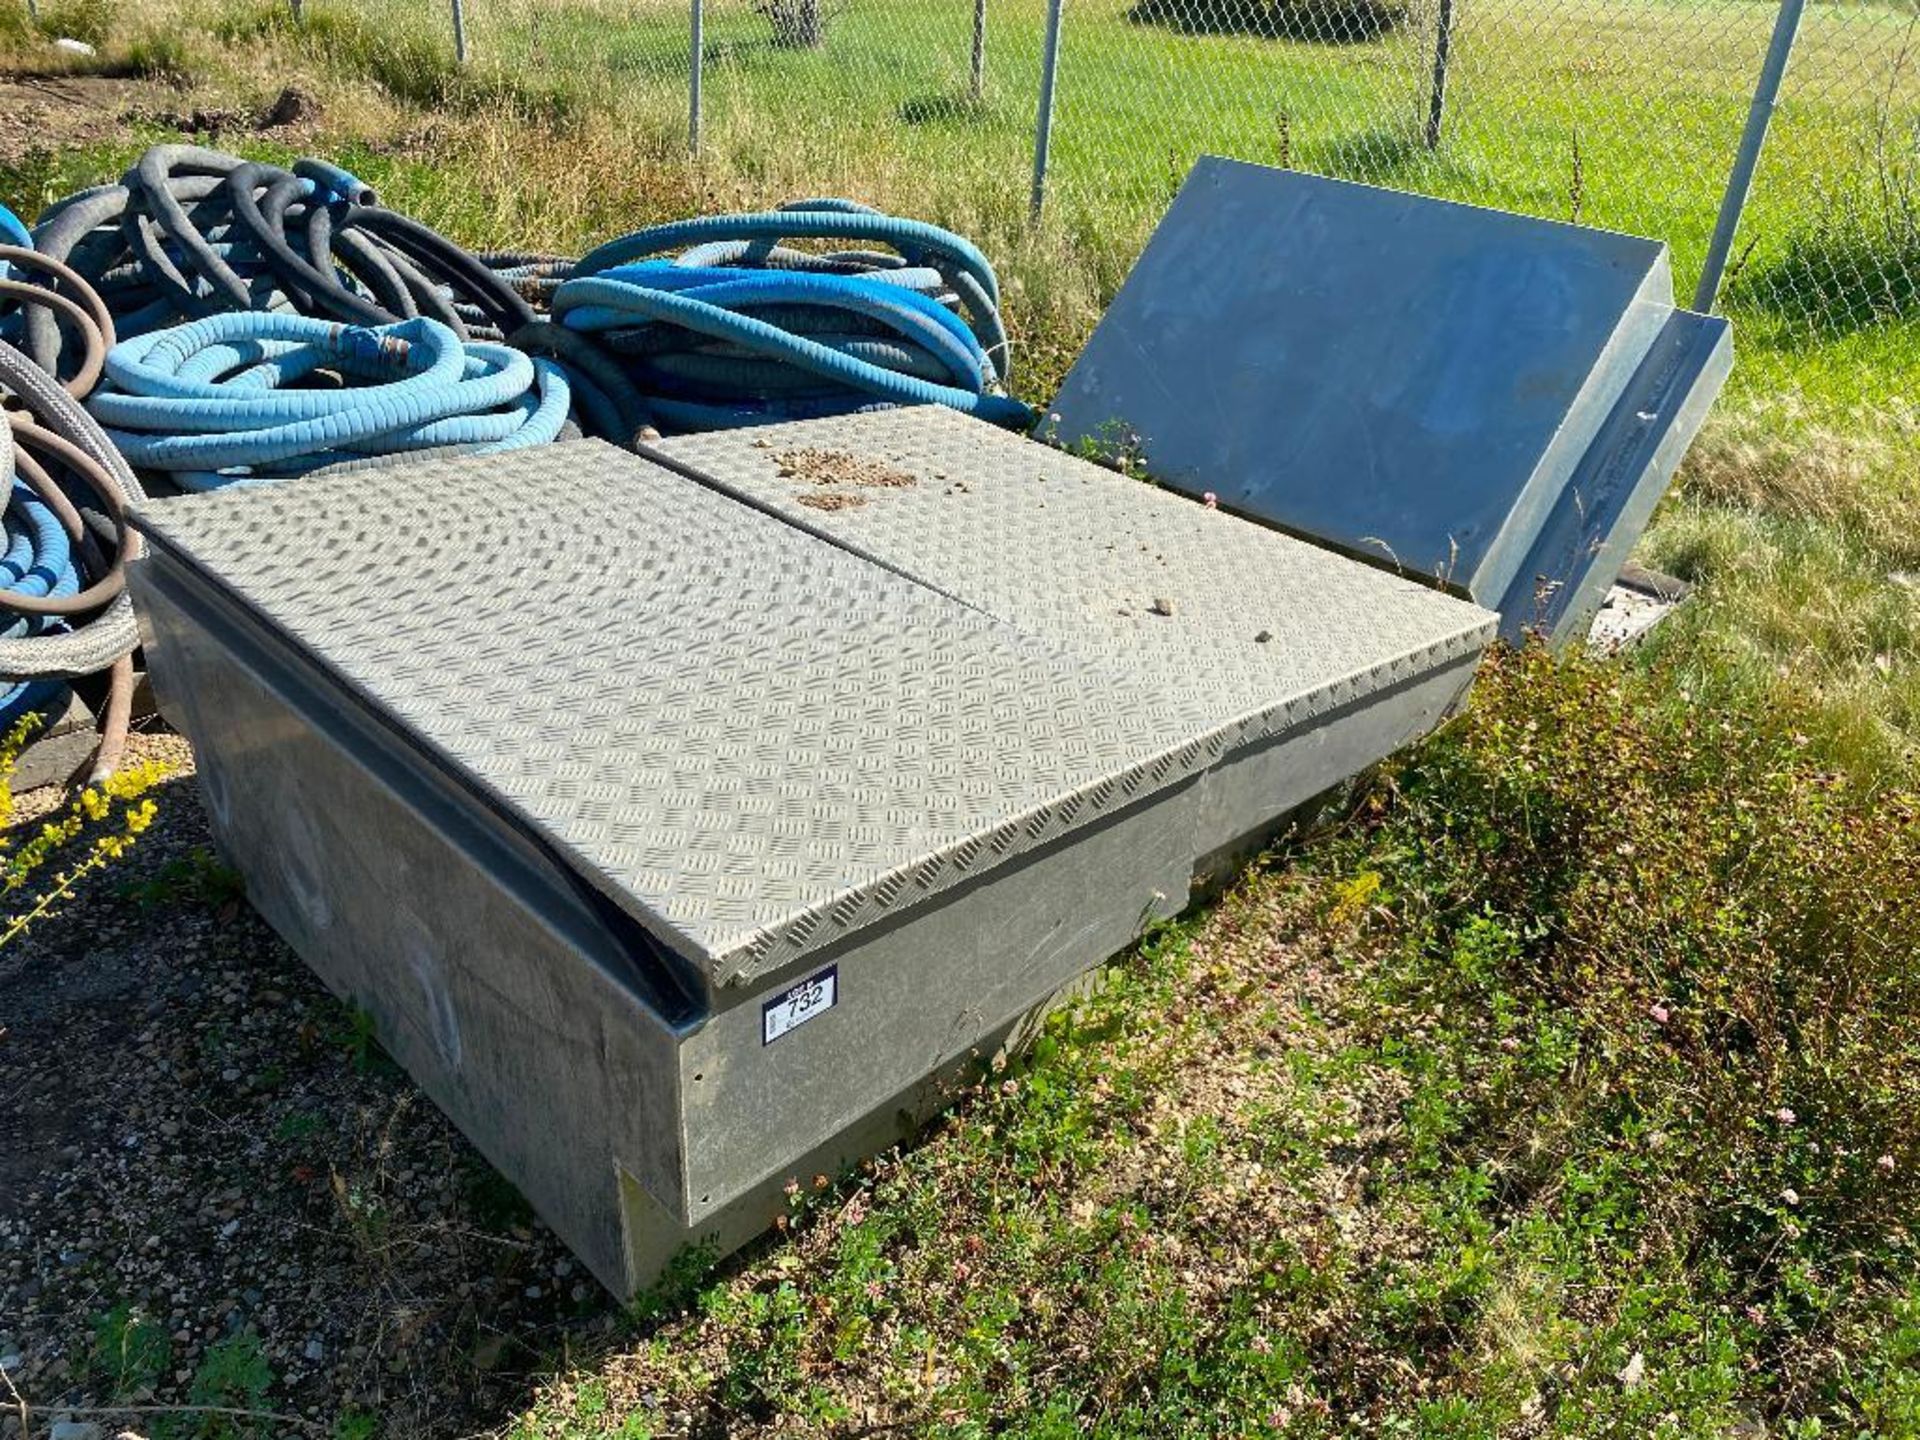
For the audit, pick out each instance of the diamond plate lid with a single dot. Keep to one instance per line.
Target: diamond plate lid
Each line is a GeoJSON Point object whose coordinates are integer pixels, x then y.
{"type": "Point", "coordinates": [1247, 631]}
{"type": "Point", "coordinates": [752, 741]}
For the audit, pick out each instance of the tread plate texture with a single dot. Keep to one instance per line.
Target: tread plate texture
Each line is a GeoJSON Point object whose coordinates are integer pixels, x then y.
{"type": "Point", "coordinates": [750, 739]}
{"type": "Point", "coordinates": [1250, 632]}
{"type": "Point", "coordinates": [757, 739]}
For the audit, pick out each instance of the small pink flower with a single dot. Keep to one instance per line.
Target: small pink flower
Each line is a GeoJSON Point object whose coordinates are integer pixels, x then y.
{"type": "Point", "coordinates": [1659, 1014]}
{"type": "Point", "coordinates": [961, 1270]}
{"type": "Point", "coordinates": [1885, 1162]}
{"type": "Point", "coordinates": [1790, 1196]}
{"type": "Point", "coordinates": [875, 1290]}
{"type": "Point", "coordinates": [1785, 1116]}
{"type": "Point", "coordinates": [1279, 1417]}
{"type": "Point", "coordinates": [1262, 1345]}
{"type": "Point", "coordinates": [1509, 1044]}
{"type": "Point", "coordinates": [1756, 1315]}
{"type": "Point", "coordinates": [1210, 500]}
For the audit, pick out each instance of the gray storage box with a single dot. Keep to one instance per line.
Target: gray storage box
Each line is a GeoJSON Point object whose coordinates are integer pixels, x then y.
{"type": "Point", "coordinates": [676, 851]}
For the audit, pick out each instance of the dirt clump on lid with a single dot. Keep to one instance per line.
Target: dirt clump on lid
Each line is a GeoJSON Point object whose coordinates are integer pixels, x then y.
{"type": "Point", "coordinates": [838, 467]}
{"type": "Point", "coordinates": [831, 500]}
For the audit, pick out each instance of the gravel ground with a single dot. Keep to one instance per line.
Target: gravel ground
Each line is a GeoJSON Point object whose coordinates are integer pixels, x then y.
{"type": "Point", "coordinates": [200, 1149]}
{"type": "Point", "coordinates": [49, 111]}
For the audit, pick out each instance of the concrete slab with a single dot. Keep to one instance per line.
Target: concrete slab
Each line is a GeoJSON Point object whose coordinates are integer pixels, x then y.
{"type": "Point", "coordinates": [1487, 399]}
{"type": "Point", "coordinates": [1638, 602]}
{"type": "Point", "coordinates": [59, 750]}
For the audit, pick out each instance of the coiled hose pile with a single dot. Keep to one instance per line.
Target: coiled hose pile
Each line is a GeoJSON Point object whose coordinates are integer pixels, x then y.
{"type": "Point", "coordinates": [230, 322]}
{"type": "Point", "coordinates": [739, 328]}
{"type": "Point", "coordinates": [62, 574]}
{"type": "Point", "coordinates": [722, 321]}
{"type": "Point", "coordinates": [190, 232]}
{"type": "Point", "coordinates": [241, 398]}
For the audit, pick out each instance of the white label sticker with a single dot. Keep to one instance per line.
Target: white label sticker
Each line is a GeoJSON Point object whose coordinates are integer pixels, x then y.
{"type": "Point", "coordinates": [793, 1008]}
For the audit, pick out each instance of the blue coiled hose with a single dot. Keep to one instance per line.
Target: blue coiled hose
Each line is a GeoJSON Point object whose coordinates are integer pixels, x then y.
{"type": "Point", "coordinates": [64, 611]}
{"type": "Point", "coordinates": [13, 230]}
{"type": "Point", "coordinates": [741, 329]}
{"type": "Point", "coordinates": [236, 398]}
{"type": "Point", "coordinates": [38, 563]}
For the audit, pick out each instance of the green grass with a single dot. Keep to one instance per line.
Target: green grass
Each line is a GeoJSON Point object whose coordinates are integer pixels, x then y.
{"type": "Point", "coordinates": [1564, 1087]}
{"type": "Point", "coordinates": [1566, 109]}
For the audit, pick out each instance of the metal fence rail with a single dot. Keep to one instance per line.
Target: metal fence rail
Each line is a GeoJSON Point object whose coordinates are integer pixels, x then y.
{"type": "Point", "coordinates": [1624, 113]}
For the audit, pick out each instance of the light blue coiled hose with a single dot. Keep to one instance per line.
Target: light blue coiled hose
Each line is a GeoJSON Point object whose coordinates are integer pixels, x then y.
{"type": "Point", "coordinates": [13, 230]}
{"type": "Point", "coordinates": [37, 562]}
{"type": "Point", "coordinates": [214, 403]}
{"type": "Point", "coordinates": [739, 328]}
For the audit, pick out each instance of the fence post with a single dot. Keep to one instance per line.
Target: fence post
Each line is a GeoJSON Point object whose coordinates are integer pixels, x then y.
{"type": "Point", "coordinates": [1766, 95]}
{"type": "Point", "coordinates": [1043, 128]}
{"type": "Point", "coordinates": [696, 62]}
{"type": "Point", "coordinates": [979, 48]}
{"type": "Point", "coordinates": [459, 32]}
{"type": "Point", "coordinates": [298, 7]}
{"type": "Point", "coordinates": [1442, 52]}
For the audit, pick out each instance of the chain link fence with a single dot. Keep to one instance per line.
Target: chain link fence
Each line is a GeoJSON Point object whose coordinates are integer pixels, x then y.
{"type": "Point", "coordinates": [1621, 113]}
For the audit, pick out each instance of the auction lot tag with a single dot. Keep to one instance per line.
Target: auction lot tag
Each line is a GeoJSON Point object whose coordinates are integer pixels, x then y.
{"type": "Point", "coordinates": [792, 1008]}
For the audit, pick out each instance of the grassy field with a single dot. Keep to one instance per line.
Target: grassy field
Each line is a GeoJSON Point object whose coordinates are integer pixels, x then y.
{"type": "Point", "coordinates": [1563, 1082]}
{"type": "Point", "coordinates": [1622, 114]}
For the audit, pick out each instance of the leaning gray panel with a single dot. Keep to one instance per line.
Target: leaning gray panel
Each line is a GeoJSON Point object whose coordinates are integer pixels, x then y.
{"type": "Point", "coordinates": [1423, 383]}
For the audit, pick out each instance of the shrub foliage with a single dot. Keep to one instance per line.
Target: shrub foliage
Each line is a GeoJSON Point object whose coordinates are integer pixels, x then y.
{"type": "Point", "coordinates": [1679, 956]}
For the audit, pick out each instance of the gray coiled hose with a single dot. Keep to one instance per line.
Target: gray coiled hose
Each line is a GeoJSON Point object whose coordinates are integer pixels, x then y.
{"type": "Point", "coordinates": [191, 232]}
{"type": "Point", "coordinates": [51, 425]}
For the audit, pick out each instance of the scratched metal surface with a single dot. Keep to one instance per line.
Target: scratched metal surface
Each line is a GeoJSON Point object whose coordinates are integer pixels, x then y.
{"type": "Point", "coordinates": [1265, 631]}
{"type": "Point", "coordinates": [752, 740]}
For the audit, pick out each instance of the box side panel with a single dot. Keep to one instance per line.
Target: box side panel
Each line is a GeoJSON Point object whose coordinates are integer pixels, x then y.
{"type": "Point", "coordinates": [911, 996]}
{"type": "Point", "coordinates": [1588, 537]}
{"type": "Point", "coordinates": [1252, 789]}
{"type": "Point", "coordinates": [555, 1072]}
{"type": "Point", "coordinates": [908, 998]}
{"type": "Point", "coordinates": [655, 1237]}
